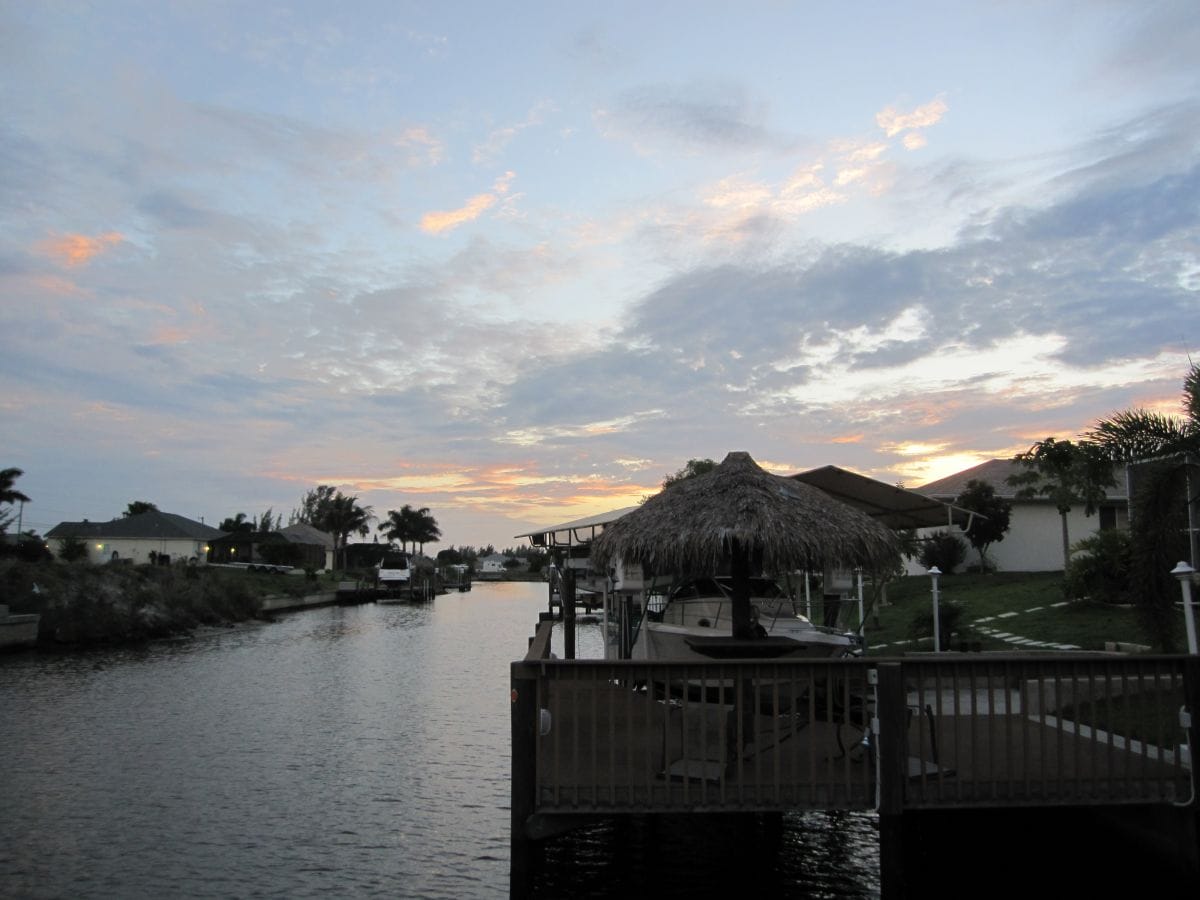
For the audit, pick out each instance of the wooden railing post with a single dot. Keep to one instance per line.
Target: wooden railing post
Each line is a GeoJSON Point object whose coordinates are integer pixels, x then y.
{"type": "Point", "coordinates": [568, 613]}
{"type": "Point", "coordinates": [523, 680]}
{"type": "Point", "coordinates": [891, 745]}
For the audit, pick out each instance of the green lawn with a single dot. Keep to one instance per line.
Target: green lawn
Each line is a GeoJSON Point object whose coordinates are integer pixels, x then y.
{"type": "Point", "coordinates": [1086, 625]}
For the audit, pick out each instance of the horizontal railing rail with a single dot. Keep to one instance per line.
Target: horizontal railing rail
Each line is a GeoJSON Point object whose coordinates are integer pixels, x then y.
{"type": "Point", "coordinates": [741, 735]}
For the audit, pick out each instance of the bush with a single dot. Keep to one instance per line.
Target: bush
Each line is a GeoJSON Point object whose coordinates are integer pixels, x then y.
{"type": "Point", "coordinates": [944, 550]}
{"type": "Point", "coordinates": [1101, 568]}
{"type": "Point", "coordinates": [950, 616]}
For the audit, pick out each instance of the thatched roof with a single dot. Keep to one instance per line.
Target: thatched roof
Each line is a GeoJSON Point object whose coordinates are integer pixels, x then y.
{"type": "Point", "coordinates": [786, 524]}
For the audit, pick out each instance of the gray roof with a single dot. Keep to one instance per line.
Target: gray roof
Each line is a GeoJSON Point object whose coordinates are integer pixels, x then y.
{"type": "Point", "coordinates": [303, 533]}
{"type": "Point", "coordinates": [995, 472]}
{"type": "Point", "coordinates": [153, 524]}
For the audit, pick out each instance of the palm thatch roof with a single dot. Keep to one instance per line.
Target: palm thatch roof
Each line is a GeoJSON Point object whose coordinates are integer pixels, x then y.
{"type": "Point", "coordinates": [785, 524]}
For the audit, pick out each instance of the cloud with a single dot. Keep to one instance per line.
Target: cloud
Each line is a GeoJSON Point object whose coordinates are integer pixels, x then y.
{"type": "Point", "coordinates": [894, 122]}
{"type": "Point", "coordinates": [441, 222]}
{"type": "Point", "coordinates": [695, 117]}
{"type": "Point", "coordinates": [421, 146]}
{"type": "Point", "coordinates": [500, 138]}
{"type": "Point", "coordinates": [73, 250]}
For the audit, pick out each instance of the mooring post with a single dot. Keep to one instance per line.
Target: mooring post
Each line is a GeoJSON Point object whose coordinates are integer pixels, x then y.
{"type": "Point", "coordinates": [568, 608]}
{"type": "Point", "coordinates": [891, 745]}
{"type": "Point", "coordinates": [524, 775]}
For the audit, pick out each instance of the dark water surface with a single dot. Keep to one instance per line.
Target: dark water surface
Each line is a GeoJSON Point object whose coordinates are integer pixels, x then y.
{"type": "Point", "coordinates": [344, 751]}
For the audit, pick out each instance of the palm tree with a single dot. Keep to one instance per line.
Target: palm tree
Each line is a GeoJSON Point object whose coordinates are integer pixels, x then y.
{"type": "Point", "coordinates": [9, 494]}
{"type": "Point", "coordinates": [398, 526]}
{"type": "Point", "coordinates": [1066, 473]}
{"type": "Point", "coordinates": [1162, 453]}
{"type": "Point", "coordinates": [342, 517]}
{"type": "Point", "coordinates": [427, 531]}
{"type": "Point", "coordinates": [1137, 434]}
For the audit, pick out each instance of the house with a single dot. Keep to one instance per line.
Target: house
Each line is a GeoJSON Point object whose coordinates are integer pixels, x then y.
{"type": "Point", "coordinates": [299, 545]}
{"type": "Point", "coordinates": [492, 566]}
{"type": "Point", "coordinates": [167, 536]}
{"type": "Point", "coordinates": [1033, 542]}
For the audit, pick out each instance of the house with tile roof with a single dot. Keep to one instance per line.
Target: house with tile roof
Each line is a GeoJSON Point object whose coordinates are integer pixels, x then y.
{"type": "Point", "coordinates": [1034, 539]}
{"type": "Point", "coordinates": [135, 538]}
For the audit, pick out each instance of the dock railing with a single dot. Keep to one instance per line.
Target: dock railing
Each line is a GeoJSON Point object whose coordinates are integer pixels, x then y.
{"type": "Point", "coordinates": [601, 737]}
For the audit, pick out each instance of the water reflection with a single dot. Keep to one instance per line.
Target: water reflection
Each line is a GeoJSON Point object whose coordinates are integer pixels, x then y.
{"type": "Point", "coordinates": [357, 750]}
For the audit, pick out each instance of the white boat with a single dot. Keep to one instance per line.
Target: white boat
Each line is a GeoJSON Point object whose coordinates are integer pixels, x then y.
{"type": "Point", "coordinates": [694, 622]}
{"type": "Point", "coordinates": [393, 577]}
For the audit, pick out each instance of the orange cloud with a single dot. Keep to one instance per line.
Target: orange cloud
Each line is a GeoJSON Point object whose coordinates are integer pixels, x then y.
{"type": "Point", "coordinates": [73, 250]}
{"type": "Point", "coordinates": [848, 439]}
{"type": "Point", "coordinates": [438, 222]}
{"type": "Point", "coordinates": [892, 121]}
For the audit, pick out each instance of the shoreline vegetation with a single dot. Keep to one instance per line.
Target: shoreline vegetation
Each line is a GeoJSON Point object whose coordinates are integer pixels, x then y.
{"type": "Point", "coordinates": [84, 606]}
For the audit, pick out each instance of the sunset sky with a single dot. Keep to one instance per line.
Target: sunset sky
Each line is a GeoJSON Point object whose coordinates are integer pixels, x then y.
{"type": "Point", "coordinates": [516, 262]}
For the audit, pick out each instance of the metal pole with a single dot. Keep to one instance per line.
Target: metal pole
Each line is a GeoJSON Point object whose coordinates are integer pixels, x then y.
{"type": "Point", "coordinates": [807, 598]}
{"type": "Point", "coordinates": [937, 631]}
{"type": "Point", "coordinates": [862, 622]}
{"type": "Point", "coordinates": [1184, 573]}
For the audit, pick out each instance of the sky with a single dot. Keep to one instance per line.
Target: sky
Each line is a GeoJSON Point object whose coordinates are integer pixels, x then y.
{"type": "Point", "coordinates": [517, 262]}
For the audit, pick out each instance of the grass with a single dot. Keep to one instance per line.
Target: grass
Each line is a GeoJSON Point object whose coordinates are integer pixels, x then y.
{"type": "Point", "coordinates": [1030, 595]}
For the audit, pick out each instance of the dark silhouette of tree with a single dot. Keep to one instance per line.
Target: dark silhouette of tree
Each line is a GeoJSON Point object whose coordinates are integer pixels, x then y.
{"type": "Point", "coordinates": [1163, 457]}
{"type": "Point", "coordinates": [996, 512]}
{"type": "Point", "coordinates": [1068, 475]}
{"type": "Point", "coordinates": [408, 525]}
{"type": "Point", "coordinates": [693, 468]}
{"type": "Point", "coordinates": [137, 507]}
{"type": "Point", "coordinates": [237, 525]}
{"type": "Point", "coordinates": [343, 516]}
{"type": "Point", "coordinates": [9, 494]}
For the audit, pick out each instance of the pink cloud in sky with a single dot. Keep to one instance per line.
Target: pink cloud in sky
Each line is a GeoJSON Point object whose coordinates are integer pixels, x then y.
{"type": "Point", "coordinates": [74, 250]}
{"type": "Point", "coordinates": [893, 122]}
{"type": "Point", "coordinates": [442, 221]}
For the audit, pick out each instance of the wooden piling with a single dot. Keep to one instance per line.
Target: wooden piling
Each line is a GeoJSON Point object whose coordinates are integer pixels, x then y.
{"type": "Point", "coordinates": [891, 745]}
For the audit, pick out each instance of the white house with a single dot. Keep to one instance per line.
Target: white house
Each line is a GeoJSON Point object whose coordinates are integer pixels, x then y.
{"type": "Point", "coordinates": [1033, 542]}
{"type": "Point", "coordinates": [136, 537]}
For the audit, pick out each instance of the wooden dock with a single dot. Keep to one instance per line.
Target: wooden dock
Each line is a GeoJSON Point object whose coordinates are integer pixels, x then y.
{"type": "Point", "coordinates": [600, 738]}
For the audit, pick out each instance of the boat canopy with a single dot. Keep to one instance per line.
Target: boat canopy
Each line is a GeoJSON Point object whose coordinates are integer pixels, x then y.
{"type": "Point", "coordinates": [576, 533]}
{"type": "Point", "coordinates": [893, 506]}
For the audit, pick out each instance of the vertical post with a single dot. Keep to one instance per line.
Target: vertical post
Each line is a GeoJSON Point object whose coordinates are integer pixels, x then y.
{"type": "Point", "coordinates": [568, 613]}
{"type": "Point", "coordinates": [807, 598]}
{"type": "Point", "coordinates": [524, 775]}
{"type": "Point", "coordinates": [862, 619]}
{"type": "Point", "coordinates": [891, 747]}
{"type": "Point", "coordinates": [1184, 573]}
{"type": "Point", "coordinates": [937, 628]}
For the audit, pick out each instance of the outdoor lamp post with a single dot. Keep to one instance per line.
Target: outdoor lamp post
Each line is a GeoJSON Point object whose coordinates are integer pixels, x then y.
{"type": "Point", "coordinates": [934, 574]}
{"type": "Point", "coordinates": [1185, 573]}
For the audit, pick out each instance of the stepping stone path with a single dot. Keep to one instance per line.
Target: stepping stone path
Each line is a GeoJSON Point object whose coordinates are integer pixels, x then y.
{"type": "Point", "coordinates": [983, 628]}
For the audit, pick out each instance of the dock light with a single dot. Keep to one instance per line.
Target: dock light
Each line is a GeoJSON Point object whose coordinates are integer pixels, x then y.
{"type": "Point", "coordinates": [934, 574]}
{"type": "Point", "coordinates": [1186, 575]}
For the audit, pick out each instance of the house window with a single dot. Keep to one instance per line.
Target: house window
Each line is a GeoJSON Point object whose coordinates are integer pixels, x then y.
{"type": "Point", "coordinates": [1113, 517]}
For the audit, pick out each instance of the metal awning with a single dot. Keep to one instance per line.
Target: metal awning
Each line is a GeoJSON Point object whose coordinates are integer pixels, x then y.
{"type": "Point", "coordinates": [575, 533]}
{"type": "Point", "coordinates": [894, 506]}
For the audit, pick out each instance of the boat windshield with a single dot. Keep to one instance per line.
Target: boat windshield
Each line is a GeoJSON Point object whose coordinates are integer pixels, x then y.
{"type": "Point", "coordinates": [722, 586]}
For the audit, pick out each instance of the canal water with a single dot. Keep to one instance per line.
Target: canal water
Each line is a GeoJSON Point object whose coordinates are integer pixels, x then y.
{"type": "Point", "coordinates": [342, 751]}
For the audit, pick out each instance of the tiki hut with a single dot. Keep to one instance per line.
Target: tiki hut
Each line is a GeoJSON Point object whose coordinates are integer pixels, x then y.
{"type": "Point", "coordinates": [740, 515]}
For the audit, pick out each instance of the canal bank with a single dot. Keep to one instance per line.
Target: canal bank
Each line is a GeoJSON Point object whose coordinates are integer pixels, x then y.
{"type": "Point", "coordinates": [338, 751]}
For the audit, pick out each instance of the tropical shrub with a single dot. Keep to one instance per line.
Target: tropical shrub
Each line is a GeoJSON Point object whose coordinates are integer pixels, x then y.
{"type": "Point", "coordinates": [1101, 568]}
{"type": "Point", "coordinates": [944, 550]}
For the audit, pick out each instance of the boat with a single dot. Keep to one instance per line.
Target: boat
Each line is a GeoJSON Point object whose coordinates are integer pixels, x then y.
{"type": "Point", "coordinates": [693, 621]}
{"type": "Point", "coordinates": [393, 577]}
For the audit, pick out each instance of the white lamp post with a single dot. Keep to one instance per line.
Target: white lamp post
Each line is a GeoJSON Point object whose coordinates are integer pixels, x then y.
{"type": "Point", "coordinates": [934, 573]}
{"type": "Point", "coordinates": [1185, 573]}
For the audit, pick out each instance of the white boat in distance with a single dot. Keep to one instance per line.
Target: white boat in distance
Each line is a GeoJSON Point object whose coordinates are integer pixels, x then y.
{"type": "Point", "coordinates": [695, 623]}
